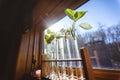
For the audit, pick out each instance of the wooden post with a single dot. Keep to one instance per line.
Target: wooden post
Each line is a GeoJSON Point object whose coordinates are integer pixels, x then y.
{"type": "Point", "coordinates": [87, 66]}
{"type": "Point", "coordinates": [97, 58]}
{"type": "Point", "coordinates": [45, 65]}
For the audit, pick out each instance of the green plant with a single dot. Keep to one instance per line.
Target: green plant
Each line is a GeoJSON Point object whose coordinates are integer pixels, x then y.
{"type": "Point", "coordinates": [75, 16]}
{"type": "Point", "coordinates": [49, 36]}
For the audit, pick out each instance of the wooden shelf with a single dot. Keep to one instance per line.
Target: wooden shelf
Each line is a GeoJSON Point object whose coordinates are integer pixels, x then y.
{"type": "Point", "coordinates": [65, 60]}
{"type": "Point", "coordinates": [62, 60]}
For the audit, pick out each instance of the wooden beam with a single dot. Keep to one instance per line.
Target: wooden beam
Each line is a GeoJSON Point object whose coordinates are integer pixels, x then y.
{"type": "Point", "coordinates": [87, 65]}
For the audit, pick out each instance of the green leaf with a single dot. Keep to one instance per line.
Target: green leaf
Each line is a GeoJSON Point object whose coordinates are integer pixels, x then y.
{"type": "Point", "coordinates": [58, 36]}
{"type": "Point", "coordinates": [85, 26]}
{"type": "Point", "coordinates": [62, 31]}
{"type": "Point", "coordinates": [48, 39]}
{"type": "Point", "coordinates": [79, 14]}
{"type": "Point", "coordinates": [46, 36]}
{"type": "Point", "coordinates": [57, 68]}
{"type": "Point", "coordinates": [51, 37]}
{"type": "Point", "coordinates": [70, 13]}
{"type": "Point", "coordinates": [48, 31]}
{"type": "Point", "coordinates": [69, 30]}
{"type": "Point", "coordinates": [45, 41]}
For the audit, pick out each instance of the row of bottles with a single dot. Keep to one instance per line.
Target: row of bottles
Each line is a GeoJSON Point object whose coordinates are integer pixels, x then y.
{"type": "Point", "coordinates": [63, 48]}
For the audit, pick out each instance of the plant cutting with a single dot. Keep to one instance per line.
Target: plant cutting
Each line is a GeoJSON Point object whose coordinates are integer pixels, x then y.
{"type": "Point", "coordinates": [51, 39]}
{"type": "Point", "coordinates": [75, 16]}
{"type": "Point", "coordinates": [51, 36]}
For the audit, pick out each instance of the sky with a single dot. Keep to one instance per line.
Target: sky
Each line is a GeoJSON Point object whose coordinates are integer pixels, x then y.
{"type": "Point", "coordinates": [105, 12]}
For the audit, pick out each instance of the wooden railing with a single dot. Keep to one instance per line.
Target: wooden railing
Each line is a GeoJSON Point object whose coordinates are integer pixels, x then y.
{"type": "Point", "coordinates": [99, 73]}
{"type": "Point", "coordinates": [85, 59]}
{"type": "Point", "coordinates": [106, 74]}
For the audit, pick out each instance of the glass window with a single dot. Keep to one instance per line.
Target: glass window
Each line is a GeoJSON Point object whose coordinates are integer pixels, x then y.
{"type": "Point", "coordinates": [103, 40]}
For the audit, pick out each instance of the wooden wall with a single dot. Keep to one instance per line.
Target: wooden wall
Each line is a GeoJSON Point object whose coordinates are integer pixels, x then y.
{"type": "Point", "coordinates": [12, 26]}
{"type": "Point", "coordinates": [31, 43]}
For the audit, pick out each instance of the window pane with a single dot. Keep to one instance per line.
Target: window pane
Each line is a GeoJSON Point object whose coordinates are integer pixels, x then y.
{"type": "Point", "coordinates": [103, 40]}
